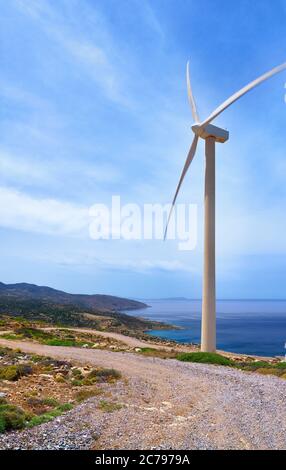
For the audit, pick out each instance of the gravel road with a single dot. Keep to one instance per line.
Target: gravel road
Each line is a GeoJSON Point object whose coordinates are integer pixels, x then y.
{"type": "Point", "coordinates": [127, 340]}
{"type": "Point", "coordinates": [166, 405]}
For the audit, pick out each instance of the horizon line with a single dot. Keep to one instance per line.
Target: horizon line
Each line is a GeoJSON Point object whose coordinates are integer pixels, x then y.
{"type": "Point", "coordinates": [217, 300]}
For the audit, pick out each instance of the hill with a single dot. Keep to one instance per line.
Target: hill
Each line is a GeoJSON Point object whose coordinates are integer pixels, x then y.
{"type": "Point", "coordinates": [101, 312]}
{"type": "Point", "coordinates": [24, 291]}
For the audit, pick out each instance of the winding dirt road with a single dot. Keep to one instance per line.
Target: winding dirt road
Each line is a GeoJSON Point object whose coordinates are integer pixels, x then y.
{"type": "Point", "coordinates": [173, 405]}
{"type": "Point", "coordinates": [127, 340]}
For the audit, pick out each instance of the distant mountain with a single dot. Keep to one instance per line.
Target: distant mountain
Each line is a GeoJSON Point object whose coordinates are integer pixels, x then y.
{"type": "Point", "coordinates": [97, 302]}
{"type": "Point", "coordinates": [103, 312]}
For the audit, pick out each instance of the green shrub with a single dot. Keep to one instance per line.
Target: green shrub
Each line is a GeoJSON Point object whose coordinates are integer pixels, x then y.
{"type": "Point", "coordinates": [252, 366]}
{"type": "Point", "coordinates": [55, 413]}
{"type": "Point", "coordinates": [60, 379]}
{"type": "Point", "coordinates": [49, 416]}
{"type": "Point", "coordinates": [84, 394]}
{"type": "Point", "coordinates": [60, 342]}
{"type": "Point", "coordinates": [3, 351]}
{"type": "Point", "coordinates": [65, 407]}
{"type": "Point", "coordinates": [77, 373]}
{"type": "Point", "coordinates": [49, 401]}
{"type": "Point", "coordinates": [89, 381]}
{"type": "Point", "coordinates": [147, 350]}
{"type": "Point", "coordinates": [21, 319]}
{"type": "Point", "coordinates": [32, 393]}
{"type": "Point", "coordinates": [33, 333]}
{"type": "Point", "coordinates": [11, 336]}
{"type": "Point", "coordinates": [205, 358]}
{"type": "Point", "coordinates": [109, 407]}
{"type": "Point", "coordinates": [30, 333]}
{"type": "Point", "coordinates": [2, 424]}
{"type": "Point", "coordinates": [15, 372]}
{"type": "Point", "coordinates": [36, 358]}
{"type": "Point", "coordinates": [104, 374]}
{"type": "Point", "coordinates": [92, 374]}
{"type": "Point", "coordinates": [11, 417]}
{"type": "Point", "coordinates": [37, 420]}
{"type": "Point", "coordinates": [281, 365]}
{"type": "Point", "coordinates": [76, 383]}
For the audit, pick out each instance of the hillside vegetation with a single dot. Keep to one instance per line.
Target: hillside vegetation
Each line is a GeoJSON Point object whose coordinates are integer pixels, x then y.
{"type": "Point", "coordinates": [97, 302]}
{"type": "Point", "coordinates": [34, 303]}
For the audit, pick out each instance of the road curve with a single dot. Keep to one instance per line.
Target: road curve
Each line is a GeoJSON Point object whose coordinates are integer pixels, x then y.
{"type": "Point", "coordinates": [190, 406]}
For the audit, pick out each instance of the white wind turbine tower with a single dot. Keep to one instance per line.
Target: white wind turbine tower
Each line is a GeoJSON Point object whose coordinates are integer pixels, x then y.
{"type": "Point", "coordinates": [211, 134]}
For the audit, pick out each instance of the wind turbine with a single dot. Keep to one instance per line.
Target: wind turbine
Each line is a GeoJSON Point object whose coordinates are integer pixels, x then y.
{"type": "Point", "coordinates": [211, 134]}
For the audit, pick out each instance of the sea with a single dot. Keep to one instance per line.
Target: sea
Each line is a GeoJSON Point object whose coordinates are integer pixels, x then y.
{"type": "Point", "coordinates": [256, 327]}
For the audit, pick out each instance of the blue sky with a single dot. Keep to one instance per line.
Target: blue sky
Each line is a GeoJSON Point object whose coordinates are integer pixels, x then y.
{"type": "Point", "coordinates": [93, 103]}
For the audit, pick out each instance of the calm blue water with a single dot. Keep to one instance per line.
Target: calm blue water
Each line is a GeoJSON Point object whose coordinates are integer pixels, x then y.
{"type": "Point", "coordinates": [251, 327]}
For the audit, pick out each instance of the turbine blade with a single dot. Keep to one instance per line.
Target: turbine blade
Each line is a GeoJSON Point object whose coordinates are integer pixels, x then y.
{"type": "Point", "coordinates": [191, 96]}
{"type": "Point", "coordinates": [242, 92]}
{"type": "Point", "coordinates": [189, 160]}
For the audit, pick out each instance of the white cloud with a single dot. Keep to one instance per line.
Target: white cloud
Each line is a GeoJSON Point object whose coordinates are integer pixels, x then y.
{"type": "Point", "coordinates": [24, 169]}
{"type": "Point", "coordinates": [20, 169]}
{"type": "Point", "coordinates": [86, 259]}
{"type": "Point", "coordinates": [22, 212]}
{"type": "Point", "coordinates": [147, 265]}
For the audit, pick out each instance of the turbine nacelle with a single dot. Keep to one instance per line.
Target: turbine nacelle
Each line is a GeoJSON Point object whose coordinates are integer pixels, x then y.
{"type": "Point", "coordinates": [220, 135]}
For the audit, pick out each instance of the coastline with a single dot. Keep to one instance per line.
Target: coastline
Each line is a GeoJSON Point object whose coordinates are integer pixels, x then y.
{"type": "Point", "coordinates": [232, 327]}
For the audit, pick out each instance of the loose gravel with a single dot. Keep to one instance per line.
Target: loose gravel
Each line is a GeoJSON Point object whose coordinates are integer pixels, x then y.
{"type": "Point", "coordinates": [165, 405]}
